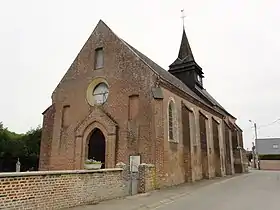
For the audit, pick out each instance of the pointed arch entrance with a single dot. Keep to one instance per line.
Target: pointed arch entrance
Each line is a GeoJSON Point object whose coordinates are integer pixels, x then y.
{"type": "Point", "coordinates": [97, 146]}
{"type": "Point", "coordinates": [97, 119]}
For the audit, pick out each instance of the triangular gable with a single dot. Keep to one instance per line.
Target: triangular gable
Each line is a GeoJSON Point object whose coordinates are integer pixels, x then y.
{"type": "Point", "coordinates": [71, 72]}
{"type": "Point", "coordinates": [162, 73]}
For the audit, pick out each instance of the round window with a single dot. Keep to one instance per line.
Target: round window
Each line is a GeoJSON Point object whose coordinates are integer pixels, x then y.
{"type": "Point", "coordinates": [100, 93]}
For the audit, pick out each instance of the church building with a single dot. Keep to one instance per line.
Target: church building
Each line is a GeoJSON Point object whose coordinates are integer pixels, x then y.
{"type": "Point", "coordinates": [115, 103]}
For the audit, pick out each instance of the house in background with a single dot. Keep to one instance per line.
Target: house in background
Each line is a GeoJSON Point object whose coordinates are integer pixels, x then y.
{"type": "Point", "coordinates": [268, 152]}
{"type": "Point", "coordinates": [115, 103]}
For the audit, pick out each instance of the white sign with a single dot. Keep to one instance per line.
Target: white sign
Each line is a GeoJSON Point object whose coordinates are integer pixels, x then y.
{"type": "Point", "coordinates": [134, 162]}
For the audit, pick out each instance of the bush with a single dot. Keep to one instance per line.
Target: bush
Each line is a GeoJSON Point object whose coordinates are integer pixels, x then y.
{"type": "Point", "coordinates": [269, 157]}
{"type": "Point", "coordinates": [92, 161]}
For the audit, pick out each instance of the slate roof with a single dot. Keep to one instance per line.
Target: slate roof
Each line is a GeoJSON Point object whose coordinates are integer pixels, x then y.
{"type": "Point", "coordinates": [162, 72]}
{"type": "Point", "coordinates": [185, 52]}
{"type": "Point", "coordinates": [185, 55]}
{"type": "Point", "coordinates": [177, 82]}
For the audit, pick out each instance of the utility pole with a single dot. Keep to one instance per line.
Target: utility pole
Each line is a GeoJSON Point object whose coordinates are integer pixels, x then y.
{"type": "Point", "coordinates": [254, 144]}
{"type": "Point", "coordinates": [255, 127]}
{"type": "Point", "coordinates": [256, 155]}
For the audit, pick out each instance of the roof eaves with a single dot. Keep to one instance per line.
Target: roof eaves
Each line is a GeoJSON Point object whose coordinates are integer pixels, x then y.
{"type": "Point", "coordinates": [47, 109]}
{"type": "Point", "coordinates": [135, 51]}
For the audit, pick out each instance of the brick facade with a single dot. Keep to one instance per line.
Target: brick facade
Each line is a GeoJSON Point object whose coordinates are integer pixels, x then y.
{"type": "Point", "coordinates": [59, 189]}
{"type": "Point", "coordinates": [147, 178]}
{"type": "Point", "coordinates": [133, 120]}
{"type": "Point", "coordinates": [63, 189]}
{"type": "Point", "coordinates": [47, 132]}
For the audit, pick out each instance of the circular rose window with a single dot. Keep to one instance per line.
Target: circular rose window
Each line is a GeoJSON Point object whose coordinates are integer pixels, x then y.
{"type": "Point", "coordinates": [100, 93]}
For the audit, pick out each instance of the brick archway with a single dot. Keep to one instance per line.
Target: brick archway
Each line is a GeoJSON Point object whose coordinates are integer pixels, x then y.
{"type": "Point", "coordinates": [96, 120]}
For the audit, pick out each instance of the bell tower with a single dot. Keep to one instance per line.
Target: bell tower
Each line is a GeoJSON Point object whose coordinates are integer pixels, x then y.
{"type": "Point", "coordinates": [185, 68]}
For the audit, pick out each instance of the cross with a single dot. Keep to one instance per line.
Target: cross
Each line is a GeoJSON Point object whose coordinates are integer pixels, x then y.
{"type": "Point", "coordinates": [183, 17]}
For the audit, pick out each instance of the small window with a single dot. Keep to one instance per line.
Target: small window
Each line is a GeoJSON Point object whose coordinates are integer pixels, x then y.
{"type": "Point", "coordinates": [66, 116]}
{"type": "Point", "coordinates": [171, 121]}
{"type": "Point", "coordinates": [99, 58]}
{"type": "Point", "coordinates": [199, 78]}
{"type": "Point", "coordinates": [275, 146]}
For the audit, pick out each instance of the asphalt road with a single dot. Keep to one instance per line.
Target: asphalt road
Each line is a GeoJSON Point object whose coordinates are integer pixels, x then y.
{"type": "Point", "coordinates": [260, 190]}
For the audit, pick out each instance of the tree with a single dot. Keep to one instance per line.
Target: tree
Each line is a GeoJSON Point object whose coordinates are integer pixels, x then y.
{"type": "Point", "coordinates": [23, 146]}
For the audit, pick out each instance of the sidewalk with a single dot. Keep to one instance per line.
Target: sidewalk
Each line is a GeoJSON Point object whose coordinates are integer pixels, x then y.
{"type": "Point", "coordinates": [154, 199]}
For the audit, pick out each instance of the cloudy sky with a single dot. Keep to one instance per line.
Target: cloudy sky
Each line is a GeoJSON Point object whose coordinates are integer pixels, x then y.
{"type": "Point", "coordinates": [235, 42]}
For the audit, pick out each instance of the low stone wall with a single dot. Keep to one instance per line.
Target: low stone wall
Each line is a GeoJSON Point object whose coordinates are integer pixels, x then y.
{"type": "Point", "coordinates": [60, 189]}
{"type": "Point", "coordinates": [270, 165]}
{"type": "Point", "coordinates": [245, 161]}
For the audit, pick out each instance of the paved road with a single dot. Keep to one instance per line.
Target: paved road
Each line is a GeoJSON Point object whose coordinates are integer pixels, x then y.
{"type": "Point", "coordinates": [258, 190]}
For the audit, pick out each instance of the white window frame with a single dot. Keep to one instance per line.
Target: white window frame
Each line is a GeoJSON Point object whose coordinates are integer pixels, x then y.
{"type": "Point", "coordinates": [174, 123]}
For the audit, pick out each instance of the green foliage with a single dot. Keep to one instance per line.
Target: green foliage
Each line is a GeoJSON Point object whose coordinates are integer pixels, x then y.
{"type": "Point", "coordinates": [26, 147]}
{"type": "Point", "coordinates": [269, 157]}
{"type": "Point", "coordinates": [92, 161]}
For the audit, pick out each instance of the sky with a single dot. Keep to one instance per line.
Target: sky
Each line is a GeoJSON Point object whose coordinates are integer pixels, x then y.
{"type": "Point", "coordinates": [235, 42]}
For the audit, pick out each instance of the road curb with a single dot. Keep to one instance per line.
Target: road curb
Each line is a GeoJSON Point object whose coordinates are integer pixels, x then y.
{"type": "Point", "coordinates": [139, 195]}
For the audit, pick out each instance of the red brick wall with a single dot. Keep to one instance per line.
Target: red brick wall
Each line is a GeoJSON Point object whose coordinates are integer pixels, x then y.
{"type": "Point", "coordinates": [46, 141]}
{"type": "Point", "coordinates": [147, 178]}
{"type": "Point", "coordinates": [126, 75]}
{"type": "Point", "coordinates": [140, 130]}
{"type": "Point", "coordinates": [270, 164]}
{"type": "Point", "coordinates": [59, 189]}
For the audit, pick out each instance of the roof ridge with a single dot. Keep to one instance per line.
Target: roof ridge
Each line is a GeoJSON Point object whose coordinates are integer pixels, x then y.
{"type": "Point", "coordinates": [167, 76]}
{"type": "Point", "coordinates": [180, 85]}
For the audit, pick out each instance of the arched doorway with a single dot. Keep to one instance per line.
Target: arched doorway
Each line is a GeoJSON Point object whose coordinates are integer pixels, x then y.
{"type": "Point", "coordinates": [96, 146]}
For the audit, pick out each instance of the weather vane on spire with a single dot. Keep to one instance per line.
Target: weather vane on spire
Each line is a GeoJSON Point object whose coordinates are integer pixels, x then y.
{"type": "Point", "coordinates": [183, 17]}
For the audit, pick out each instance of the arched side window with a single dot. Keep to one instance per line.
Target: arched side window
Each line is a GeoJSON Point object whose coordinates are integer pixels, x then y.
{"type": "Point", "coordinates": [172, 121]}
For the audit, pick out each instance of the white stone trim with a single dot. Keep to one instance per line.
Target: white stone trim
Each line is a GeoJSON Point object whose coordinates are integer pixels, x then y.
{"type": "Point", "coordinates": [218, 120]}
{"type": "Point", "coordinates": [204, 114]}
{"type": "Point", "coordinates": [42, 173]}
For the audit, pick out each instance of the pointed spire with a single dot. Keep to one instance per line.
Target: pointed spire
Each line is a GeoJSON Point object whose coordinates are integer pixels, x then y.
{"type": "Point", "coordinates": [185, 52]}
{"type": "Point", "coordinates": [184, 67]}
